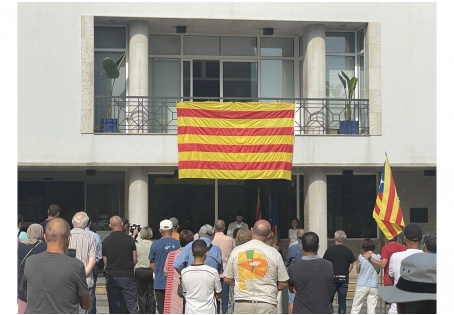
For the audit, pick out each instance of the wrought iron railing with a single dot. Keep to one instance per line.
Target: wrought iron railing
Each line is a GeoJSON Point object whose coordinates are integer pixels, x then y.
{"type": "Point", "coordinates": [150, 115]}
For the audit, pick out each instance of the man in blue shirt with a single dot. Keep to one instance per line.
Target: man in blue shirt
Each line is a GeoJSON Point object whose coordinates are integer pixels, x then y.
{"type": "Point", "coordinates": [214, 258]}
{"type": "Point", "coordinates": [158, 254]}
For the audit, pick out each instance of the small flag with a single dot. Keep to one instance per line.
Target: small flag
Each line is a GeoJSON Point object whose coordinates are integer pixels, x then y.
{"type": "Point", "coordinates": [235, 140]}
{"type": "Point", "coordinates": [387, 211]}
{"type": "Point", "coordinates": [258, 212]}
{"type": "Point", "coordinates": [274, 217]}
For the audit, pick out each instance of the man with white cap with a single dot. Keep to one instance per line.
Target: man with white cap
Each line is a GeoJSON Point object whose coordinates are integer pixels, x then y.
{"type": "Point", "coordinates": [416, 290]}
{"type": "Point", "coordinates": [412, 238]}
{"type": "Point", "coordinates": [158, 254]}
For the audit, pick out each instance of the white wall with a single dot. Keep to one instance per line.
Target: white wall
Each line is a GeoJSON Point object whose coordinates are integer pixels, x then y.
{"type": "Point", "coordinates": [49, 89]}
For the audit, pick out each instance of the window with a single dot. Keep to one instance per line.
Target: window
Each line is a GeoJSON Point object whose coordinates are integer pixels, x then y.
{"type": "Point", "coordinates": [419, 215]}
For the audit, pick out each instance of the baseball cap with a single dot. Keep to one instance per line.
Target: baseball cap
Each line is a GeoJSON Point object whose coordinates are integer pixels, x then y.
{"type": "Point", "coordinates": [206, 230]}
{"type": "Point", "coordinates": [417, 282]}
{"type": "Point", "coordinates": [165, 225]}
{"type": "Point", "coordinates": [413, 232]}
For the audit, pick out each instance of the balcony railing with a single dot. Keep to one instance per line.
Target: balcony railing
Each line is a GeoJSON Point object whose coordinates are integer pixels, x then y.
{"type": "Point", "coordinates": [317, 116]}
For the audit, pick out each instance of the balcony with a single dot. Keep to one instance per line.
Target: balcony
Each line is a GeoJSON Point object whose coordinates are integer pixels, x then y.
{"type": "Point", "coordinates": [158, 115]}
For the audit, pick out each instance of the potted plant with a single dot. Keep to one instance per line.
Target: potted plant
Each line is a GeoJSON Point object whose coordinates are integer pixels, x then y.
{"type": "Point", "coordinates": [348, 126]}
{"type": "Point", "coordinates": [111, 70]}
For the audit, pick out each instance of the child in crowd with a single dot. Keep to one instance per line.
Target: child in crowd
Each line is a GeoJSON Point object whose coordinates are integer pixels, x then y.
{"type": "Point", "coordinates": [201, 283]}
{"type": "Point", "coordinates": [367, 282]}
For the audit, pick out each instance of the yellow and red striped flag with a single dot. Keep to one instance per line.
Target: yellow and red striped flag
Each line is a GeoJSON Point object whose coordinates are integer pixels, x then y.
{"type": "Point", "coordinates": [387, 211]}
{"type": "Point", "coordinates": [235, 140]}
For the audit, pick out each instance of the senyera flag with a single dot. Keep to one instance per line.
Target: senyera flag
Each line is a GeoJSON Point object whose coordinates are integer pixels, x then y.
{"type": "Point", "coordinates": [387, 211]}
{"type": "Point", "coordinates": [235, 140]}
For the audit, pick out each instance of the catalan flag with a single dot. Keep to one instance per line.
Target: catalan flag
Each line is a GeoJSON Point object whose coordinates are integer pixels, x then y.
{"type": "Point", "coordinates": [387, 211]}
{"type": "Point", "coordinates": [235, 140]}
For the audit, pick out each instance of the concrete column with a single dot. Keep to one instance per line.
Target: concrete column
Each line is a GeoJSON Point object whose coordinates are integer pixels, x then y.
{"type": "Point", "coordinates": [138, 195]}
{"type": "Point", "coordinates": [138, 74]}
{"type": "Point", "coordinates": [314, 76]}
{"type": "Point", "coordinates": [316, 205]}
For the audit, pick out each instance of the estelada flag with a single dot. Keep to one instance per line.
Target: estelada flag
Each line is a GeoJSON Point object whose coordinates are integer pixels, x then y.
{"type": "Point", "coordinates": [387, 211]}
{"type": "Point", "coordinates": [235, 140]}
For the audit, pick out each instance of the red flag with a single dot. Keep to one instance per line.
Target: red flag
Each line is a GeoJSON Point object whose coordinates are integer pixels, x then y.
{"type": "Point", "coordinates": [258, 212]}
{"type": "Point", "coordinates": [387, 211]}
{"type": "Point", "coordinates": [274, 218]}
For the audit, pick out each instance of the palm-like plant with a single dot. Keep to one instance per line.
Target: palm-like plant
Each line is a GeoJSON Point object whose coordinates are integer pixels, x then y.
{"type": "Point", "coordinates": [349, 89]}
{"type": "Point", "coordinates": [111, 70]}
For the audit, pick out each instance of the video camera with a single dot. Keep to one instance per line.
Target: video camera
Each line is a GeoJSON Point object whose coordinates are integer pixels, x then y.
{"type": "Point", "coordinates": [132, 227]}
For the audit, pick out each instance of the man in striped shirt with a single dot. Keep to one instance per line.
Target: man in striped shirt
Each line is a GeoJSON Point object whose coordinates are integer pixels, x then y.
{"type": "Point", "coordinates": [84, 246]}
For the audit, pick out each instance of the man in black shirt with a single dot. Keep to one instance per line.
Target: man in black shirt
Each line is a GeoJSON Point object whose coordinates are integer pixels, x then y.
{"type": "Point", "coordinates": [342, 258]}
{"type": "Point", "coordinates": [119, 256]}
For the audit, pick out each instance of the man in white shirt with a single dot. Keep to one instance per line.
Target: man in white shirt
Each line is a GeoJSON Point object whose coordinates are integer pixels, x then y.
{"type": "Point", "coordinates": [201, 283]}
{"type": "Point", "coordinates": [412, 238]}
{"type": "Point", "coordinates": [238, 223]}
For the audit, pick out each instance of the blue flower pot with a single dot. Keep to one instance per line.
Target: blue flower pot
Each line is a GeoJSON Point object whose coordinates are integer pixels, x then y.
{"type": "Point", "coordinates": [349, 127]}
{"type": "Point", "coordinates": [109, 125]}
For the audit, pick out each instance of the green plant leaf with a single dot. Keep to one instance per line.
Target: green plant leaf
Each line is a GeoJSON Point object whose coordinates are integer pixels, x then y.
{"type": "Point", "coordinates": [343, 81]}
{"type": "Point", "coordinates": [110, 68]}
{"type": "Point", "coordinates": [120, 60]}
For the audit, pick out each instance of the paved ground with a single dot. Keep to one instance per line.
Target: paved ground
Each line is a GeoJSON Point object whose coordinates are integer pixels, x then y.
{"type": "Point", "coordinates": [103, 308]}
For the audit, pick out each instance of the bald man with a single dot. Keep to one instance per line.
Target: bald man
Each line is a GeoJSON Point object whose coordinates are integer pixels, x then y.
{"type": "Point", "coordinates": [119, 256]}
{"type": "Point", "coordinates": [55, 283]}
{"type": "Point", "coordinates": [257, 292]}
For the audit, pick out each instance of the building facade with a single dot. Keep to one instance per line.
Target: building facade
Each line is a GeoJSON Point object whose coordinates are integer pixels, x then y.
{"type": "Point", "coordinates": [292, 52]}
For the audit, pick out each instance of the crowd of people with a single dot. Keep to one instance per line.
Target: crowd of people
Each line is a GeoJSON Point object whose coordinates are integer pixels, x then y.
{"type": "Point", "coordinates": [217, 270]}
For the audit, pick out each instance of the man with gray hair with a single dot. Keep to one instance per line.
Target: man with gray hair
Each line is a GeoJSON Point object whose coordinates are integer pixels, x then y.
{"type": "Point", "coordinates": [225, 243]}
{"type": "Point", "coordinates": [214, 257]}
{"type": "Point", "coordinates": [342, 258]}
{"type": "Point", "coordinates": [175, 226]}
{"type": "Point", "coordinates": [82, 245]}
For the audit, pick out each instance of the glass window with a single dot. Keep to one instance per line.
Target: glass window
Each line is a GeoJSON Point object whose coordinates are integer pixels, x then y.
{"type": "Point", "coordinates": [360, 40]}
{"type": "Point", "coordinates": [238, 46]}
{"type": "Point", "coordinates": [164, 44]}
{"type": "Point", "coordinates": [201, 45]}
{"type": "Point", "coordinates": [276, 78]}
{"type": "Point", "coordinates": [110, 37]}
{"type": "Point", "coordinates": [334, 66]}
{"type": "Point", "coordinates": [301, 46]}
{"type": "Point", "coordinates": [340, 42]}
{"type": "Point", "coordinates": [166, 82]}
{"type": "Point", "coordinates": [276, 47]}
{"type": "Point", "coordinates": [351, 200]}
{"type": "Point", "coordinates": [206, 80]}
{"type": "Point", "coordinates": [240, 80]}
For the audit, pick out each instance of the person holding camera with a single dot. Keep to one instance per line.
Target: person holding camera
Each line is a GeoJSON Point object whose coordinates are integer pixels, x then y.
{"type": "Point", "coordinates": [132, 230]}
